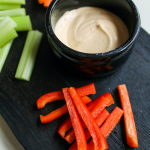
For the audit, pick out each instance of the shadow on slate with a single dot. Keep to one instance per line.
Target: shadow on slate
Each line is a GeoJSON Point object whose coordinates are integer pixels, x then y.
{"type": "Point", "coordinates": [18, 98]}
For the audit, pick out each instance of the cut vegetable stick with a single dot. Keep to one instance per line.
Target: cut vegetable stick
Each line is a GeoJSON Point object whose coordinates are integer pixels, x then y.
{"type": "Point", "coordinates": [6, 25]}
{"type": "Point", "coordinates": [23, 23]}
{"type": "Point", "coordinates": [47, 3]}
{"type": "Point", "coordinates": [28, 56]}
{"type": "Point", "coordinates": [13, 12]}
{"type": "Point", "coordinates": [60, 111]}
{"type": "Point", "coordinates": [49, 97]}
{"type": "Point", "coordinates": [111, 121]}
{"type": "Point", "coordinates": [97, 100]}
{"type": "Point", "coordinates": [99, 120]}
{"type": "Point", "coordinates": [111, 100]}
{"type": "Point", "coordinates": [5, 21]}
{"type": "Point", "coordinates": [64, 127]}
{"type": "Point", "coordinates": [54, 114]}
{"type": "Point", "coordinates": [130, 128]}
{"type": "Point", "coordinates": [95, 107]}
{"type": "Point", "coordinates": [108, 125]}
{"type": "Point", "coordinates": [58, 95]}
{"type": "Point", "coordinates": [86, 99]}
{"type": "Point", "coordinates": [100, 104]}
{"type": "Point", "coordinates": [98, 138]}
{"type": "Point", "coordinates": [9, 6]}
{"type": "Point", "coordinates": [8, 38]}
{"type": "Point", "coordinates": [86, 90]}
{"type": "Point", "coordinates": [41, 1]}
{"type": "Point", "coordinates": [4, 53]}
{"type": "Point", "coordinates": [12, 2]}
{"type": "Point", "coordinates": [79, 132]}
{"type": "Point", "coordinates": [2, 18]}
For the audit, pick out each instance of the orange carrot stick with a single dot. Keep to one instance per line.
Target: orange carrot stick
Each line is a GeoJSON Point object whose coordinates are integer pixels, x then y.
{"type": "Point", "coordinates": [47, 3]}
{"type": "Point", "coordinates": [130, 128]}
{"type": "Point", "coordinates": [41, 1]}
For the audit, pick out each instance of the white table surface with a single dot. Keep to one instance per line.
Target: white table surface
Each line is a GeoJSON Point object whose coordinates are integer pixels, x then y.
{"type": "Point", "coordinates": [7, 139]}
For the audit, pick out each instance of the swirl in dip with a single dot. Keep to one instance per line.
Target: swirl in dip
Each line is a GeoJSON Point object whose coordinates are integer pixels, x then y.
{"type": "Point", "coordinates": [91, 30]}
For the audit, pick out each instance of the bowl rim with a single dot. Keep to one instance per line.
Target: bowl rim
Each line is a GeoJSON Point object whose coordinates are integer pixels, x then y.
{"type": "Point", "coordinates": [75, 53]}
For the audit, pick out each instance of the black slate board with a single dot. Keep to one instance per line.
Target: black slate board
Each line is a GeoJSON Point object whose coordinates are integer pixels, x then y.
{"type": "Point", "coordinates": [18, 98]}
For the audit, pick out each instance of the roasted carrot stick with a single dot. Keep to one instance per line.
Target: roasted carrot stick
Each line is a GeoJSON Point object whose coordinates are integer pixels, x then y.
{"type": "Point", "coordinates": [130, 128]}
{"type": "Point", "coordinates": [95, 107]}
{"type": "Point", "coordinates": [79, 132]}
{"type": "Point", "coordinates": [60, 111]}
{"type": "Point", "coordinates": [108, 125]}
{"type": "Point", "coordinates": [58, 95]}
{"type": "Point", "coordinates": [99, 120]}
{"type": "Point", "coordinates": [98, 138]}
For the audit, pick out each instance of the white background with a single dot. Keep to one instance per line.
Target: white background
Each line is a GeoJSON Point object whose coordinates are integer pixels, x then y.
{"type": "Point", "coordinates": [7, 138]}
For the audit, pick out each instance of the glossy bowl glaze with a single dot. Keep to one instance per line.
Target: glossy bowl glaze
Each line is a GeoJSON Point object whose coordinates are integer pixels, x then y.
{"type": "Point", "coordinates": [99, 64]}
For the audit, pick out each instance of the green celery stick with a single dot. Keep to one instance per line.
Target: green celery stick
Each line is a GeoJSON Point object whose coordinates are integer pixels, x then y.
{"type": "Point", "coordinates": [28, 57]}
{"type": "Point", "coordinates": [8, 37]}
{"type": "Point", "coordinates": [13, 12]}
{"type": "Point", "coordinates": [4, 21]}
{"type": "Point", "coordinates": [7, 31]}
{"type": "Point", "coordinates": [6, 25]}
{"type": "Point", "coordinates": [1, 18]}
{"type": "Point", "coordinates": [4, 53]}
{"type": "Point", "coordinates": [12, 2]}
{"type": "Point", "coordinates": [23, 23]}
{"type": "Point", "coordinates": [9, 6]}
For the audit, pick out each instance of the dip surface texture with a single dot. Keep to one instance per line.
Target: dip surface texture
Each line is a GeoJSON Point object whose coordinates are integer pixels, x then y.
{"type": "Point", "coordinates": [91, 30]}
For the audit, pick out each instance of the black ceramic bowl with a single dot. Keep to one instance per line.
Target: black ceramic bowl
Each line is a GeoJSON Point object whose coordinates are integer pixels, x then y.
{"type": "Point", "coordinates": [98, 64]}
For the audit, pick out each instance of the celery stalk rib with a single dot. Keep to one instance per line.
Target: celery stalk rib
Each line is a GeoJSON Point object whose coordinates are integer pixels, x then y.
{"type": "Point", "coordinates": [4, 21]}
{"type": "Point", "coordinates": [12, 2]}
{"type": "Point", "coordinates": [13, 12]}
{"type": "Point", "coordinates": [25, 54]}
{"type": "Point", "coordinates": [4, 53]}
{"type": "Point", "coordinates": [8, 37]}
{"type": "Point", "coordinates": [7, 31]}
{"type": "Point", "coordinates": [6, 26]}
{"type": "Point", "coordinates": [9, 6]}
{"type": "Point", "coordinates": [23, 23]}
{"type": "Point", "coordinates": [28, 57]}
